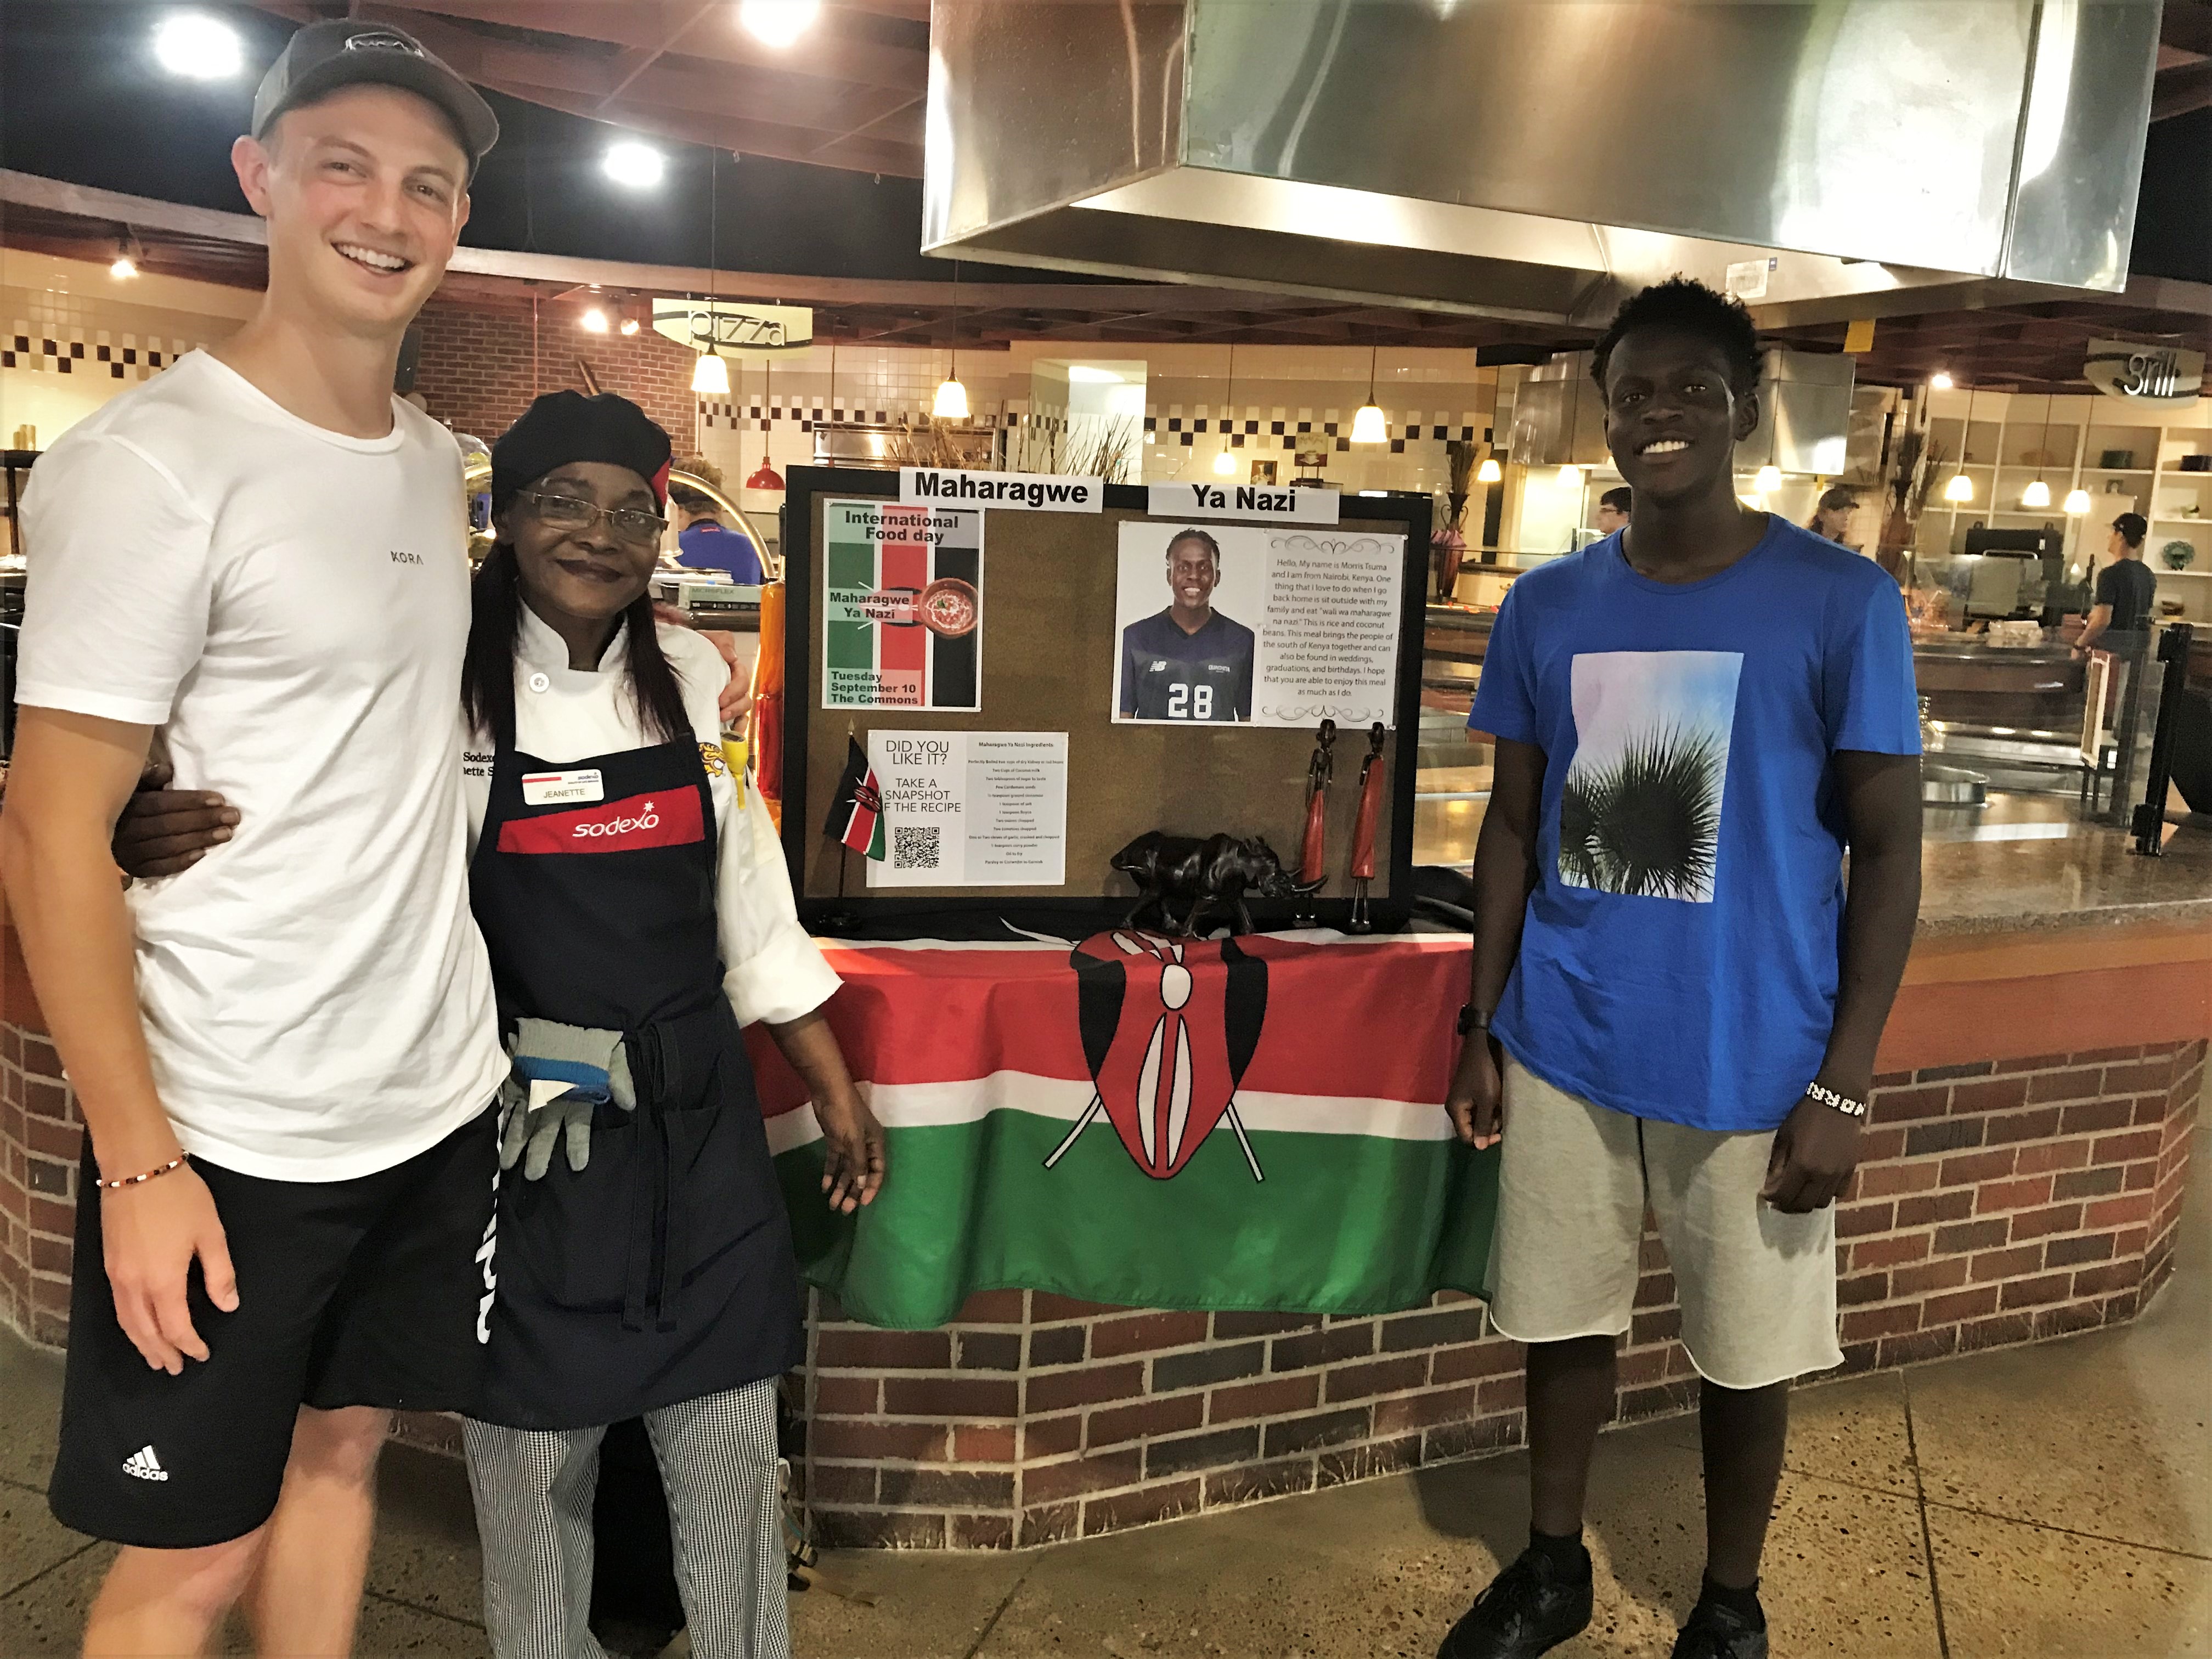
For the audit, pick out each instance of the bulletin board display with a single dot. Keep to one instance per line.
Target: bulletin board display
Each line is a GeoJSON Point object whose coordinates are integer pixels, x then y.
{"type": "Point", "coordinates": [1051, 597]}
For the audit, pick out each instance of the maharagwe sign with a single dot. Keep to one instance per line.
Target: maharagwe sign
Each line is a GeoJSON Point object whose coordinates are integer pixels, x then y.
{"type": "Point", "coordinates": [739, 327]}
{"type": "Point", "coordinates": [2148, 376]}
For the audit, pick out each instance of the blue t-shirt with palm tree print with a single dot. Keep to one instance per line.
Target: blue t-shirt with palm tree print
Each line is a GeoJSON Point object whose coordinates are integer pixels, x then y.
{"type": "Point", "coordinates": [1679, 959]}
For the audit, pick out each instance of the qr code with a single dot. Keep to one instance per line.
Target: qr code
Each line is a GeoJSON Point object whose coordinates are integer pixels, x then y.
{"type": "Point", "coordinates": [913, 847]}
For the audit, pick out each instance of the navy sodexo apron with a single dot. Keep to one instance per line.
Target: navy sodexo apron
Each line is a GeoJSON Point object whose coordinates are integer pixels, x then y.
{"type": "Point", "coordinates": [663, 1270]}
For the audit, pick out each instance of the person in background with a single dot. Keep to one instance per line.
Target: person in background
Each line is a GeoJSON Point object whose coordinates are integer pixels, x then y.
{"type": "Point", "coordinates": [288, 1073]}
{"type": "Point", "coordinates": [703, 541]}
{"type": "Point", "coordinates": [1832, 516]}
{"type": "Point", "coordinates": [2125, 590]}
{"type": "Point", "coordinates": [1612, 510]}
{"type": "Point", "coordinates": [1694, 720]}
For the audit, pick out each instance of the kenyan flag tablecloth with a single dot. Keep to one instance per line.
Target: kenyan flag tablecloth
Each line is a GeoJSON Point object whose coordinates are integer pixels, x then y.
{"type": "Point", "coordinates": [1253, 1123]}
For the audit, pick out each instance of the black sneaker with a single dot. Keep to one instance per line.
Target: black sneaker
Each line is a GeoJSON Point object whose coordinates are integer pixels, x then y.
{"type": "Point", "coordinates": [1529, 1609]}
{"type": "Point", "coordinates": [1718, 1632]}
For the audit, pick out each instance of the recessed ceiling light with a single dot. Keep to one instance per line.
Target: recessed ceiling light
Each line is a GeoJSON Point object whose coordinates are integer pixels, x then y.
{"type": "Point", "coordinates": [199, 47]}
{"type": "Point", "coordinates": [636, 166]}
{"type": "Point", "coordinates": [778, 22]}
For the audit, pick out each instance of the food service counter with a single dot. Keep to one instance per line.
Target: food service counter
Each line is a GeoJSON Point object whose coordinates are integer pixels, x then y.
{"type": "Point", "coordinates": [2022, 1176]}
{"type": "Point", "coordinates": [2033, 688]}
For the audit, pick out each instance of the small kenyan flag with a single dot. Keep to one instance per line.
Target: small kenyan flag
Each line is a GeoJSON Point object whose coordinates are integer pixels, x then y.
{"type": "Point", "coordinates": [856, 815]}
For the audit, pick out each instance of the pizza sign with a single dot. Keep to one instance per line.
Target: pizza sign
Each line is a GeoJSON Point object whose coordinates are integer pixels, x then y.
{"type": "Point", "coordinates": [739, 329]}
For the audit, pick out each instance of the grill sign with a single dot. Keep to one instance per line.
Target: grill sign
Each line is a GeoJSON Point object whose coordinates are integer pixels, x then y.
{"type": "Point", "coordinates": [2149, 376]}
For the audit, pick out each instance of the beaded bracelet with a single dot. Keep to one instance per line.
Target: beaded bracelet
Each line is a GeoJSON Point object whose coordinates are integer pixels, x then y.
{"type": "Point", "coordinates": [132, 1181]}
{"type": "Point", "coordinates": [1843, 1103]}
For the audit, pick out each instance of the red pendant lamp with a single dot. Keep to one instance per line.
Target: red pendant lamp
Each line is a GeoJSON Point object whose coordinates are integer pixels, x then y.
{"type": "Point", "coordinates": [765, 476]}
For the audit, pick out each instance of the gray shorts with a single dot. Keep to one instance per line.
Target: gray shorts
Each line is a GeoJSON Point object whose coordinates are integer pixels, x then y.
{"type": "Point", "coordinates": [1757, 1287]}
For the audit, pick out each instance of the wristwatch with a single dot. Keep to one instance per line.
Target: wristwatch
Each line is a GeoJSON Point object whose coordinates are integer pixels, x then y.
{"type": "Point", "coordinates": [1473, 1019]}
{"type": "Point", "coordinates": [1843, 1103]}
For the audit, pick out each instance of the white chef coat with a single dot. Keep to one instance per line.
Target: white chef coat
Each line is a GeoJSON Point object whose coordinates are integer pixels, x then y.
{"type": "Point", "coordinates": [771, 969]}
{"type": "Point", "coordinates": [287, 607]}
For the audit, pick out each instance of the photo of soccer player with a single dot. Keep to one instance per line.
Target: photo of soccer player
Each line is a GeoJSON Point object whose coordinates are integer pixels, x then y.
{"type": "Point", "coordinates": [1189, 662]}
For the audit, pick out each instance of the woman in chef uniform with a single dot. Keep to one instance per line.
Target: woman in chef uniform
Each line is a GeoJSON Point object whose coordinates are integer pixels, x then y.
{"type": "Point", "coordinates": [633, 896]}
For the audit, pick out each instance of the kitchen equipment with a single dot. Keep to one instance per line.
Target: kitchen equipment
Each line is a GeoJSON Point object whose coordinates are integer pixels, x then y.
{"type": "Point", "coordinates": [1953, 786]}
{"type": "Point", "coordinates": [2012, 573]}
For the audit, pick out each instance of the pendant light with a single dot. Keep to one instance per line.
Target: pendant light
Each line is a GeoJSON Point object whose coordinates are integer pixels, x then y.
{"type": "Point", "coordinates": [1961, 488]}
{"type": "Point", "coordinates": [2077, 502]}
{"type": "Point", "coordinates": [764, 476]}
{"type": "Point", "coordinates": [951, 401]}
{"type": "Point", "coordinates": [710, 375]}
{"type": "Point", "coordinates": [1769, 479]}
{"type": "Point", "coordinates": [1225, 464]}
{"type": "Point", "coordinates": [2038, 493]}
{"type": "Point", "coordinates": [1489, 471]}
{"type": "Point", "coordinates": [1367, 425]}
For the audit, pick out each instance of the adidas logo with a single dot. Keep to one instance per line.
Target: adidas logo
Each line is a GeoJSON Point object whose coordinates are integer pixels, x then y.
{"type": "Point", "coordinates": [143, 1464]}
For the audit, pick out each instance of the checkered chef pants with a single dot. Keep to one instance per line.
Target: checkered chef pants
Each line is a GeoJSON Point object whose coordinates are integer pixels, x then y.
{"type": "Point", "coordinates": [533, 1498]}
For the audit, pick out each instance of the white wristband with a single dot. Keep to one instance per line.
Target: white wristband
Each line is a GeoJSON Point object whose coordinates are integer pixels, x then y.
{"type": "Point", "coordinates": [1843, 1103]}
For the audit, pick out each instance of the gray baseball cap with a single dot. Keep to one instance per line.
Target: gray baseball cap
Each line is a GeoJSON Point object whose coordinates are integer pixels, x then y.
{"type": "Point", "coordinates": [324, 57]}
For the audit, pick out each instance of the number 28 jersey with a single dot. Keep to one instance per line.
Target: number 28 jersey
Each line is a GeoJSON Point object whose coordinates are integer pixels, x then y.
{"type": "Point", "coordinates": [1170, 675]}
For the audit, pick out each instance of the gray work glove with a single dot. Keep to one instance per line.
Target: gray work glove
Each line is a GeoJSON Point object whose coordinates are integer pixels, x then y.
{"type": "Point", "coordinates": [561, 1076]}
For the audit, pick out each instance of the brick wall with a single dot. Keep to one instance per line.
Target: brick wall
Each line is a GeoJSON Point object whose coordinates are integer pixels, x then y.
{"type": "Point", "coordinates": [480, 368]}
{"type": "Point", "coordinates": [41, 1138]}
{"type": "Point", "coordinates": [1997, 1203]}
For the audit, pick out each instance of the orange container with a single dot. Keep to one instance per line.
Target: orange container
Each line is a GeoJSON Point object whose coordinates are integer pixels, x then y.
{"type": "Point", "coordinates": [764, 726]}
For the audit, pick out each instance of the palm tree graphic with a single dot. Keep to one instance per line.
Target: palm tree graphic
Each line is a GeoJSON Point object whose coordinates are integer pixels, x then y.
{"type": "Point", "coordinates": [1647, 821]}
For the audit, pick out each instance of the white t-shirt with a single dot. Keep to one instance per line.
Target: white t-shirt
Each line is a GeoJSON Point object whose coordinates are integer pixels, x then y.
{"type": "Point", "coordinates": [287, 607]}
{"type": "Point", "coordinates": [771, 969]}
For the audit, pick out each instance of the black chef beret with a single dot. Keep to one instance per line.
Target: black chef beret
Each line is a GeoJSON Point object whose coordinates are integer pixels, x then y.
{"type": "Point", "coordinates": [564, 426]}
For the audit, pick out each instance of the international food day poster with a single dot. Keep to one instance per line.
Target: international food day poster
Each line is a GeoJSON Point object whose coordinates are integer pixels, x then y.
{"type": "Point", "coordinates": [901, 606]}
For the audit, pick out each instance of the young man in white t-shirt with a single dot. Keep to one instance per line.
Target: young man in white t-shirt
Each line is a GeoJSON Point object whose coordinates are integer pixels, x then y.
{"type": "Point", "coordinates": [255, 564]}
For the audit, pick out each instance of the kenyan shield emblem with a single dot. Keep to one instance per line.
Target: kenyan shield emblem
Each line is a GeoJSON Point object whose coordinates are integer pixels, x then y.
{"type": "Point", "coordinates": [1168, 1028]}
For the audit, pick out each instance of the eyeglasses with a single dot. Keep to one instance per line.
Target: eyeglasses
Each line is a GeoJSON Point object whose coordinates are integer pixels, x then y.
{"type": "Point", "coordinates": [633, 524]}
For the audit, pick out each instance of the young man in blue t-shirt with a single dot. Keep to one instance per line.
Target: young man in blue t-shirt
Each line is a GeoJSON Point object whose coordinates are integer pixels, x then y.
{"type": "Point", "coordinates": [1675, 1000]}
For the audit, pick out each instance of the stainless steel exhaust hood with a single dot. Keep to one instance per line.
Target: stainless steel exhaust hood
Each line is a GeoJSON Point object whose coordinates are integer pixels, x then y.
{"type": "Point", "coordinates": [1539, 159]}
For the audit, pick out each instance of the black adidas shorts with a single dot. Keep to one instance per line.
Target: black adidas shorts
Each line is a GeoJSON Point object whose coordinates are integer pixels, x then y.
{"type": "Point", "coordinates": [360, 1292]}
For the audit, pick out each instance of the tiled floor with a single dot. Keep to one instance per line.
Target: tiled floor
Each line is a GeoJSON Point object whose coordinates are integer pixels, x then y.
{"type": "Point", "coordinates": [2053, 1501]}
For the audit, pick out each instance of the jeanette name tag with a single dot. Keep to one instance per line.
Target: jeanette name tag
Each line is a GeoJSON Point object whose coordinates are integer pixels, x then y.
{"type": "Point", "coordinates": [553, 788]}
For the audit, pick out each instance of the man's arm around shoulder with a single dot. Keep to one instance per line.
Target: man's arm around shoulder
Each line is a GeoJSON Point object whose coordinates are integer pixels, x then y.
{"type": "Point", "coordinates": [70, 776]}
